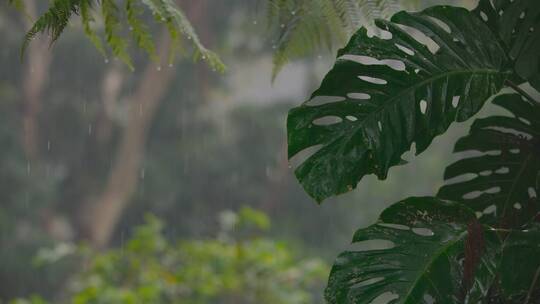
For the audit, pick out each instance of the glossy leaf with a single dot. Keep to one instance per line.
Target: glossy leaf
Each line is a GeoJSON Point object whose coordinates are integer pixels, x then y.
{"type": "Point", "coordinates": [392, 93]}
{"type": "Point", "coordinates": [504, 174]}
{"type": "Point", "coordinates": [517, 24]}
{"type": "Point", "coordinates": [422, 262]}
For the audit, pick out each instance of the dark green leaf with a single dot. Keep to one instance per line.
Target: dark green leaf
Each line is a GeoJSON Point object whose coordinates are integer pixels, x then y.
{"type": "Point", "coordinates": [519, 269]}
{"type": "Point", "coordinates": [504, 174]}
{"type": "Point", "coordinates": [422, 94]}
{"type": "Point", "coordinates": [517, 24]}
{"type": "Point", "coordinates": [422, 263]}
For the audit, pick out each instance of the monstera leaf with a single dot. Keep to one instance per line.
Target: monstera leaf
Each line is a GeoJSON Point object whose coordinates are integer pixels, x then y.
{"type": "Point", "coordinates": [517, 24]}
{"type": "Point", "coordinates": [502, 181]}
{"type": "Point", "coordinates": [424, 262]}
{"type": "Point", "coordinates": [520, 266]}
{"type": "Point", "coordinates": [384, 94]}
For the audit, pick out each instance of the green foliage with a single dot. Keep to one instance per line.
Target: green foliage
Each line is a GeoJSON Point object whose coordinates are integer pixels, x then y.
{"type": "Point", "coordinates": [390, 93]}
{"type": "Point", "coordinates": [422, 261]}
{"type": "Point", "coordinates": [148, 268]}
{"type": "Point", "coordinates": [506, 170]}
{"type": "Point", "coordinates": [309, 25]}
{"type": "Point", "coordinates": [425, 71]}
{"type": "Point", "coordinates": [516, 24]}
{"type": "Point", "coordinates": [166, 12]}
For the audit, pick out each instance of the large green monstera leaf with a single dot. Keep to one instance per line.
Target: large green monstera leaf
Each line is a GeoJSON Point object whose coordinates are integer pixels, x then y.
{"type": "Point", "coordinates": [386, 93]}
{"type": "Point", "coordinates": [517, 24]}
{"type": "Point", "coordinates": [501, 182]}
{"type": "Point", "coordinates": [424, 262]}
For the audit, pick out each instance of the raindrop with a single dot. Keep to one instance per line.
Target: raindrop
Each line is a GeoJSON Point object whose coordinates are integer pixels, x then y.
{"type": "Point", "coordinates": [48, 145]}
{"type": "Point", "coordinates": [254, 21]}
{"type": "Point", "coordinates": [282, 25]}
{"type": "Point", "coordinates": [131, 28]}
{"type": "Point", "coordinates": [203, 57]}
{"type": "Point", "coordinates": [158, 68]}
{"type": "Point", "coordinates": [89, 129]}
{"type": "Point", "coordinates": [106, 60]}
{"type": "Point", "coordinates": [170, 65]}
{"type": "Point", "coordinates": [143, 173]}
{"type": "Point", "coordinates": [28, 168]}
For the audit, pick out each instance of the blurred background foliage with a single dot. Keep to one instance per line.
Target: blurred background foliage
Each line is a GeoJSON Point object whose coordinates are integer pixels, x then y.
{"type": "Point", "coordinates": [88, 148]}
{"type": "Point", "coordinates": [236, 266]}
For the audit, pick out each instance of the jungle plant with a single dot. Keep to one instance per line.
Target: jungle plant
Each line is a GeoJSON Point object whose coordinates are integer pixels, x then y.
{"type": "Point", "coordinates": [116, 19]}
{"type": "Point", "coordinates": [239, 265]}
{"type": "Point", "coordinates": [478, 239]}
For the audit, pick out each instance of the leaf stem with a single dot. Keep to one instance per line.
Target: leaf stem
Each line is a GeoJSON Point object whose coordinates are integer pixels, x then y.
{"type": "Point", "coordinates": [519, 90]}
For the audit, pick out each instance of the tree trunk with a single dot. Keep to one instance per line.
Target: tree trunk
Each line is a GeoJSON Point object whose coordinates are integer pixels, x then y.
{"type": "Point", "coordinates": [38, 58]}
{"type": "Point", "coordinates": [101, 215]}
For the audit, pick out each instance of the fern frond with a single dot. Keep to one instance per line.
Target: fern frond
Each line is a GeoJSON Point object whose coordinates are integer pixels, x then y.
{"type": "Point", "coordinates": [112, 22]}
{"type": "Point", "coordinates": [54, 21]}
{"type": "Point", "coordinates": [179, 26]}
{"type": "Point", "coordinates": [59, 13]}
{"type": "Point", "coordinates": [139, 30]}
{"type": "Point", "coordinates": [305, 26]}
{"type": "Point", "coordinates": [86, 20]}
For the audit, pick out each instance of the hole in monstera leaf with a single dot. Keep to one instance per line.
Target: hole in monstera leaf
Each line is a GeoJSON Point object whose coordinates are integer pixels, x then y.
{"type": "Point", "coordinates": [303, 155]}
{"type": "Point", "coordinates": [484, 16]}
{"type": "Point", "coordinates": [421, 38]}
{"type": "Point", "coordinates": [532, 192]}
{"type": "Point", "coordinates": [373, 80]}
{"type": "Point", "coordinates": [472, 195]}
{"type": "Point", "coordinates": [362, 96]}
{"type": "Point", "coordinates": [517, 206]}
{"type": "Point", "coordinates": [367, 282]}
{"type": "Point", "coordinates": [320, 100]}
{"type": "Point", "coordinates": [485, 173]}
{"type": "Point", "coordinates": [408, 155]}
{"type": "Point", "coordinates": [327, 120]}
{"type": "Point", "coordinates": [385, 298]}
{"type": "Point", "coordinates": [377, 244]}
{"type": "Point", "coordinates": [366, 60]}
{"type": "Point", "coordinates": [455, 101]}
{"type": "Point", "coordinates": [423, 106]}
{"type": "Point", "coordinates": [461, 178]}
{"type": "Point", "coordinates": [423, 231]}
{"type": "Point", "coordinates": [394, 226]}
{"type": "Point", "coordinates": [385, 35]}
{"type": "Point", "coordinates": [490, 209]}
{"type": "Point", "coordinates": [525, 121]}
{"type": "Point", "coordinates": [503, 170]}
{"type": "Point", "coordinates": [493, 190]}
{"type": "Point", "coordinates": [351, 118]}
{"type": "Point", "coordinates": [494, 152]}
{"type": "Point", "coordinates": [441, 24]}
{"type": "Point", "coordinates": [428, 299]}
{"type": "Point", "coordinates": [515, 132]}
{"type": "Point", "coordinates": [404, 49]}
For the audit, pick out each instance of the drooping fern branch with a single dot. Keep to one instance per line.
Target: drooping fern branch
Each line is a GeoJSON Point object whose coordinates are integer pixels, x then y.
{"type": "Point", "coordinates": [306, 26]}
{"type": "Point", "coordinates": [166, 12]}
